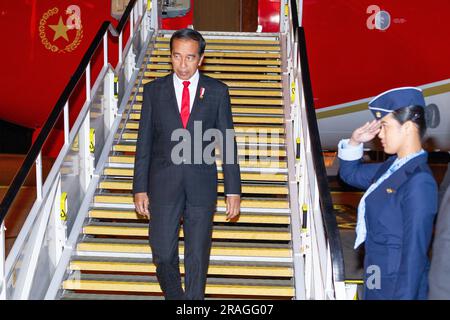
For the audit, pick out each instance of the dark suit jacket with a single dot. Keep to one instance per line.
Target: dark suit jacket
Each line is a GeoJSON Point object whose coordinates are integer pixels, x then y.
{"type": "Point", "coordinates": [440, 261]}
{"type": "Point", "coordinates": [399, 220]}
{"type": "Point", "coordinates": [155, 170]}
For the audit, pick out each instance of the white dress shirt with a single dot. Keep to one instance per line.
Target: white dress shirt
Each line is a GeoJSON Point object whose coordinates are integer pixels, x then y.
{"type": "Point", "coordinates": [178, 84]}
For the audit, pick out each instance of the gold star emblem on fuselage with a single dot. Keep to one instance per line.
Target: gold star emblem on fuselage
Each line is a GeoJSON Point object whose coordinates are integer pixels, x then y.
{"type": "Point", "coordinates": [60, 30]}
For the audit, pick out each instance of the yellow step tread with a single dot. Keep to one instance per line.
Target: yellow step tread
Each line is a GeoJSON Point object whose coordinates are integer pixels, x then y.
{"type": "Point", "coordinates": [252, 55]}
{"type": "Point", "coordinates": [143, 267]}
{"type": "Point", "coordinates": [263, 93]}
{"type": "Point", "coordinates": [254, 110]}
{"type": "Point", "coordinates": [238, 120]}
{"type": "Point", "coordinates": [245, 203]}
{"type": "Point", "coordinates": [233, 76]}
{"type": "Point", "coordinates": [99, 285]}
{"type": "Point", "coordinates": [122, 185]}
{"type": "Point", "coordinates": [243, 163]}
{"type": "Point", "coordinates": [235, 110]}
{"type": "Point", "coordinates": [252, 84]}
{"type": "Point", "coordinates": [244, 176]}
{"type": "Point", "coordinates": [238, 128]}
{"type": "Point", "coordinates": [239, 139]}
{"type": "Point", "coordinates": [203, 68]}
{"type": "Point", "coordinates": [210, 61]}
{"type": "Point", "coordinates": [238, 101]}
{"type": "Point", "coordinates": [260, 120]}
{"type": "Point", "coordinates": [228, 40]}
{"type": "Point", "coordinates": [215, 249]}
{"type": "Point", "coordinates": [244, 48]}
{"type": "Point", "coordinates": [218, 217]}
{"type": "Point", "coordinates": [241, 152]}
{"type": "Point", "coordinates": [279, 164]}
{"type": "Point", "coordinates": [241, 84]}
{"type": "Point", "coordinates": [216, 234]}
{"type": "Point", "coordinates": [280, 190]}
{"type": "Point", "coordinates": [243, 119]}
{"type": "Point", "coordinates": [256, 101]}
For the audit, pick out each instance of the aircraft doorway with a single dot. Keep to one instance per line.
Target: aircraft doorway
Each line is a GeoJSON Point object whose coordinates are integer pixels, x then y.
{"type": "Point", "coordinates": [230, 15]}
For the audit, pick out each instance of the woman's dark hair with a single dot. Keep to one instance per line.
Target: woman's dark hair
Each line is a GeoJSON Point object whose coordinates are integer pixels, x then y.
{"type": "Point", "coordinates": [423, 118]}
{"type": "Point", "coordinates": [189, 34]}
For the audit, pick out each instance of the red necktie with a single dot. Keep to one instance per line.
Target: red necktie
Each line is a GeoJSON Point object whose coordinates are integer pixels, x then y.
{"type": "Point", "coordinates": [185, 103]}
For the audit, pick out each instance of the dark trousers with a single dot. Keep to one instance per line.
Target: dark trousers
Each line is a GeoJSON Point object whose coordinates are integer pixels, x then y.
{"type": "Point", "coordinates": [164, 230]}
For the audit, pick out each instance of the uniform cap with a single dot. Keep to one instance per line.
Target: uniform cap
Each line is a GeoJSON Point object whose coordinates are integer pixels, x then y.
{"type": "Point", "coordinates": [394, 99]}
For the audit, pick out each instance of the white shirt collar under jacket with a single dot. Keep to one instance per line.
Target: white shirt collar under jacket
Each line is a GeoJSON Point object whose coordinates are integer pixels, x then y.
{"type": "Point", "coordinates": [178, 84]}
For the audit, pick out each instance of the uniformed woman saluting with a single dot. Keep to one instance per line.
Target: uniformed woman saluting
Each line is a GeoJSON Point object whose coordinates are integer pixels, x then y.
{"type": "Point", "coordinates": [396, 213]}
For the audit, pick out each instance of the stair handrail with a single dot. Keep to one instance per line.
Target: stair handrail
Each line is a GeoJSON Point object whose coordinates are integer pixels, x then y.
{"type": "Point", "coordinates": [325, 201]}
{"type": "Point", "coordinates": [54, 115]}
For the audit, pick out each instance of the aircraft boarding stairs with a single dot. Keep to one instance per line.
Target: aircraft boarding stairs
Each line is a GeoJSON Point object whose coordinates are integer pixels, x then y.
{"type": "Point", "coordinates": [83, 239]}
{"type": "Point", "coordinates": [251, 257]}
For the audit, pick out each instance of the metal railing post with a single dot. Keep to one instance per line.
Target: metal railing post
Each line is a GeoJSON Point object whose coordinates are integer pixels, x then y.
{"type": "Point", "coordinates": [110, 101]}
{"type": "Point", "coordinates": [88, 82]}
{"type": "Point", "coordinates": [120, 49]}
{"type": "Point", "coordinates": [105, 49]}
{"type": "Point", "coordinates": [329, 288]}
{"type": "Point", "coordinates": [66, 124]}
{"type": "Point", "coordinates": [84, 139]}
{"type": "Point", "coordinates": [300, 12]}
{"type": "Point", "coordinates": [84, 152]}
{"type": "Point", "coordinates": [139, 7]}
{"type": "Point", "coordinates": [146, 23]}
{"type": "Point", "coordinates": [58, 216]}
{"type": "Point", "coordinates": [154, 15]}
{"type": "Point", "coordinates": [130, 59]}
{"type": "Point", "coordinates": [130, 63]}
{"type": "Point", "coordinates": [38, 163]}
{"type": "Point", "coordinates": [132, 23]}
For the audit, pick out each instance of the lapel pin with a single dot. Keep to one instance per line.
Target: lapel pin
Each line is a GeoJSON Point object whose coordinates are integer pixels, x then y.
{"type": "Point", "coordinates": [202, 92]}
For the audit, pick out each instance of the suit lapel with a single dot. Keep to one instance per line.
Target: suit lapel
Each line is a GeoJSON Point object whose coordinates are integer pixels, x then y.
{"type": "Point", "coordinates": [173, 100]}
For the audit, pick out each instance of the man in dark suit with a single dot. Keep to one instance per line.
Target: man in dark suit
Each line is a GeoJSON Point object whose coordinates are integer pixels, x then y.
{"type": "Point", "coordinates": [174, 173]}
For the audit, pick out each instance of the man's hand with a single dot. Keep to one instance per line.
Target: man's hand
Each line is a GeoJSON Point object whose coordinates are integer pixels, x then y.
{"type": "Point", "coordinates": [141, 203]}
{"type": "Point", "coordinates": [233, 206]}
{"type": "Point", "coordinates": [365, 133]}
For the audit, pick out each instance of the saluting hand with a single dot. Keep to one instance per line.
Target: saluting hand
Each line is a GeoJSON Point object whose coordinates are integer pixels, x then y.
{"type": "Point", "coordinates": [141, 203]}
{"type": "Point", "coordinates": [233, 206]}
{"type": "Point", "coordinates": [365, 133]}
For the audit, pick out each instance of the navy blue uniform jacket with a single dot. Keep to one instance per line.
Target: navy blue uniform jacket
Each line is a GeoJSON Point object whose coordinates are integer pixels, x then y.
{"type": "Point", "coordinates": [399, 220]}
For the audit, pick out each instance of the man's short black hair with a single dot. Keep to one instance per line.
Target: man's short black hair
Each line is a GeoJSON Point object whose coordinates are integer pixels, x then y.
{"type": "Point", "coordinates": [191, 34]}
